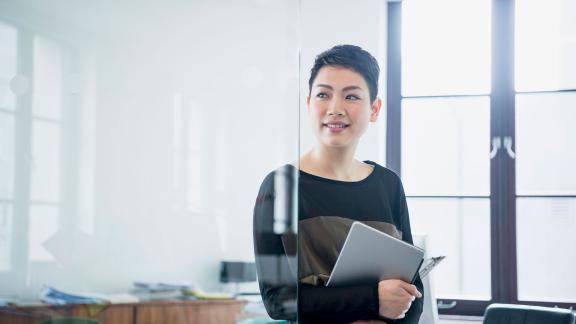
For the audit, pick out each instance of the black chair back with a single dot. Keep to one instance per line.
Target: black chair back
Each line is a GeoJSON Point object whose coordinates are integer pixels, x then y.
{"type": "Point", "coordinates": [524, 314]}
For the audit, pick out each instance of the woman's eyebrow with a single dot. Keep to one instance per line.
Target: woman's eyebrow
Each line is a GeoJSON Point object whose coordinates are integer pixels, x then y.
{"type": "Point", "coordinates": [348, 88]}
{"type": "Point", "coordinates": [351, 88]}
{"type": "Point", "coordinates": [324, 86]}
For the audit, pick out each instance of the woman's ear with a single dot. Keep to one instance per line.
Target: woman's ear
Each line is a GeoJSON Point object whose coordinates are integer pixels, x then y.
{"type": "Point", "coordinates": [308, 103]}
{"type": "Point", "coordinates": [376, 106]}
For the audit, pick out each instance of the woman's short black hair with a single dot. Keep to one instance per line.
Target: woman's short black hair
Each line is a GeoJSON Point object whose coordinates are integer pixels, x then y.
{"type": "Point", "coordinates": [351, 57]}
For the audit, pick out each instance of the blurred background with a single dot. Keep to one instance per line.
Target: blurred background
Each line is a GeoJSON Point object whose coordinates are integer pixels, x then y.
{"type": "Point", "coordinates": [134, 136]}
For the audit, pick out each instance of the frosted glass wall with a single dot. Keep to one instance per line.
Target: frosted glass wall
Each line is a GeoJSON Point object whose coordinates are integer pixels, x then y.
{"type": "Point", "coordinates": [134, 137]}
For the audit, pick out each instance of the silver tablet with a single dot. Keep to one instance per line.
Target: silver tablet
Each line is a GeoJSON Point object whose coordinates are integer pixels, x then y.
{"type": "Point", "coordinates": [369, 256]}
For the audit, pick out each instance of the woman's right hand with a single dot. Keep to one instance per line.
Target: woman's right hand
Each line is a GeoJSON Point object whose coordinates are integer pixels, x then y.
{"type": "Point", "coordinates": [395, 298]}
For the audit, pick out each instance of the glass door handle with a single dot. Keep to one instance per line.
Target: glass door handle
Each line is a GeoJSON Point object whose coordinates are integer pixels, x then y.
{"type": "Point", "coordinates": [508, 146]}
{"type": "Point", "coordinates": [496, 144]}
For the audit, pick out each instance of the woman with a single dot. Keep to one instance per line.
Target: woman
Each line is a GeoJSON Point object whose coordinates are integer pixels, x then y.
{"type": "Point", "coordinates": [334, 190]}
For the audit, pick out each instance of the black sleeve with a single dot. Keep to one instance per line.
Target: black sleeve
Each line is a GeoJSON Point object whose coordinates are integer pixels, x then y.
{"type": "Point", "coordinates": [276, 277]}
{"type": "Point", "coordinates": [413, 315]}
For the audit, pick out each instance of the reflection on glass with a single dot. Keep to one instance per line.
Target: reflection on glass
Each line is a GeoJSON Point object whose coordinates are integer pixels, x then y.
{"type": "Point", "coordinates": [460, 230]}
{"type": "Point", "coordinates": [275, 243]}
{"type": "Point", "coordinates": [48, 74]}
{"type": "Point", "coordinates": [5, 236]}
{"type": "Point", "coordinates": [445, 47]}
{"type": "Point", "coordinates": [8, 65]}
{"type": "Point", "coordinates": [545, 235]}
{"type": "Point", "coordinates": [146, 140]}
{"type": "Point", "coordinates": [545, 158]}
{"type": "Point", "coordinates": [44, 223]}
{"type": "Point", "coordinates": [7, 130]}
{"type": "Point", "coordinates": [45, 185]}
{"type": "Point", "coordinates": [446, 146]}
{"type": "Point", "coordinates": [195, 197]}
{"type": "Point", "coordinates": [545, 51]}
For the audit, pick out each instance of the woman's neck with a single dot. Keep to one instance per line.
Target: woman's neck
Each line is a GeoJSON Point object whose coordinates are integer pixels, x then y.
{"type": "Point", "coordinates": [334, 163]}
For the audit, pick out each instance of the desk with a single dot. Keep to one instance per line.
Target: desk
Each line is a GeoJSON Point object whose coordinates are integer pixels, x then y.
{"type": "Point", "coordinates": [152, 312]}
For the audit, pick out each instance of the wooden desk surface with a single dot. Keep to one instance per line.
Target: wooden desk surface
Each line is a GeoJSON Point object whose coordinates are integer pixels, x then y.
{"type": "Point", "coordinates": [147, 312]}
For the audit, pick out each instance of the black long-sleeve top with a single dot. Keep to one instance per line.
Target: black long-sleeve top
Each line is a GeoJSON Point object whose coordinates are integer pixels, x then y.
{"type": "Point", "coordinates": [326, 210]}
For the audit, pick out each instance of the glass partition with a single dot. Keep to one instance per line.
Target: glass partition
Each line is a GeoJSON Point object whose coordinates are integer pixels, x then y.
{"type": "Point", "coordinates": [135, 138]}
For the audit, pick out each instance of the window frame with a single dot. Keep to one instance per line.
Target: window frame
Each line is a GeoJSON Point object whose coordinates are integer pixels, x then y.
{"type": "Point", "coordinates": [504, 274]}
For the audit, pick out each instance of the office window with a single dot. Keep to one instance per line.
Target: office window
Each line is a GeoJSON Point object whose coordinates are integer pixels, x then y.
{"type": "Point", "coordinates": [445, 138]}
{"type": "Point", "coordinates": [545, 51]}
{"type": "Point", "coordinates": [546, 143]}
{"type": "Point", "coordinates": [480, 130]}
{"type": "Point", "coordinates": [445, 47]}
{"type": "Point", "coordinates": [545, 96]}
{"type": "Point", "coordinates": [460, 229]}
{"type": "Point", "coordinates": [546, 227]}
{"type": "Point", "coordinates": [445, 145]}
{"type": "Point", "coordinates": [446, 172]}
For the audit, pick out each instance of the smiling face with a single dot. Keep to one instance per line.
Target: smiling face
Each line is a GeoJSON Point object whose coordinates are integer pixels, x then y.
{"type": "Point", "coordinates": [339, 106]}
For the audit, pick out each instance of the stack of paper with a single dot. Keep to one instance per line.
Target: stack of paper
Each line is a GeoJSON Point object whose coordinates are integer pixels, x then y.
{"type": "Point", "coordinates": [174, 290]}
{"type": "Point", "coordinates": [147, 290]}
{"type": "Point", "coordinates": [162, 286]}
{"type": "Point", "coordinates": [51, 295]}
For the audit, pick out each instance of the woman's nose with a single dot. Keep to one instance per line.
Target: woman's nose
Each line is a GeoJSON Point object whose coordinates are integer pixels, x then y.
{"type": "Point", "coordinates": [335, 108]}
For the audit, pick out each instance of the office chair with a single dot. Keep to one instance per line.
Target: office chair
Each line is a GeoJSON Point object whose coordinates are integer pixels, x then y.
{"type": "Point", "coordinates": [70, 320]}
{"type": "Point", "coordinates": [524, 314]}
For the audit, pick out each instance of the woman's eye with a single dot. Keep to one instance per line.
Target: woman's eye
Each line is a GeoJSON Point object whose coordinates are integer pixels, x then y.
{"type": "Point", "coordinates": [352, 97]}
{"type": "Point", "coordinates": [321, 95]}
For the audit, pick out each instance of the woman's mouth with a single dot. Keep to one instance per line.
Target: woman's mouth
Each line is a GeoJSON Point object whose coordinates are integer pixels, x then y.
{"type": "Point", "coordinates": [336, 127]}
